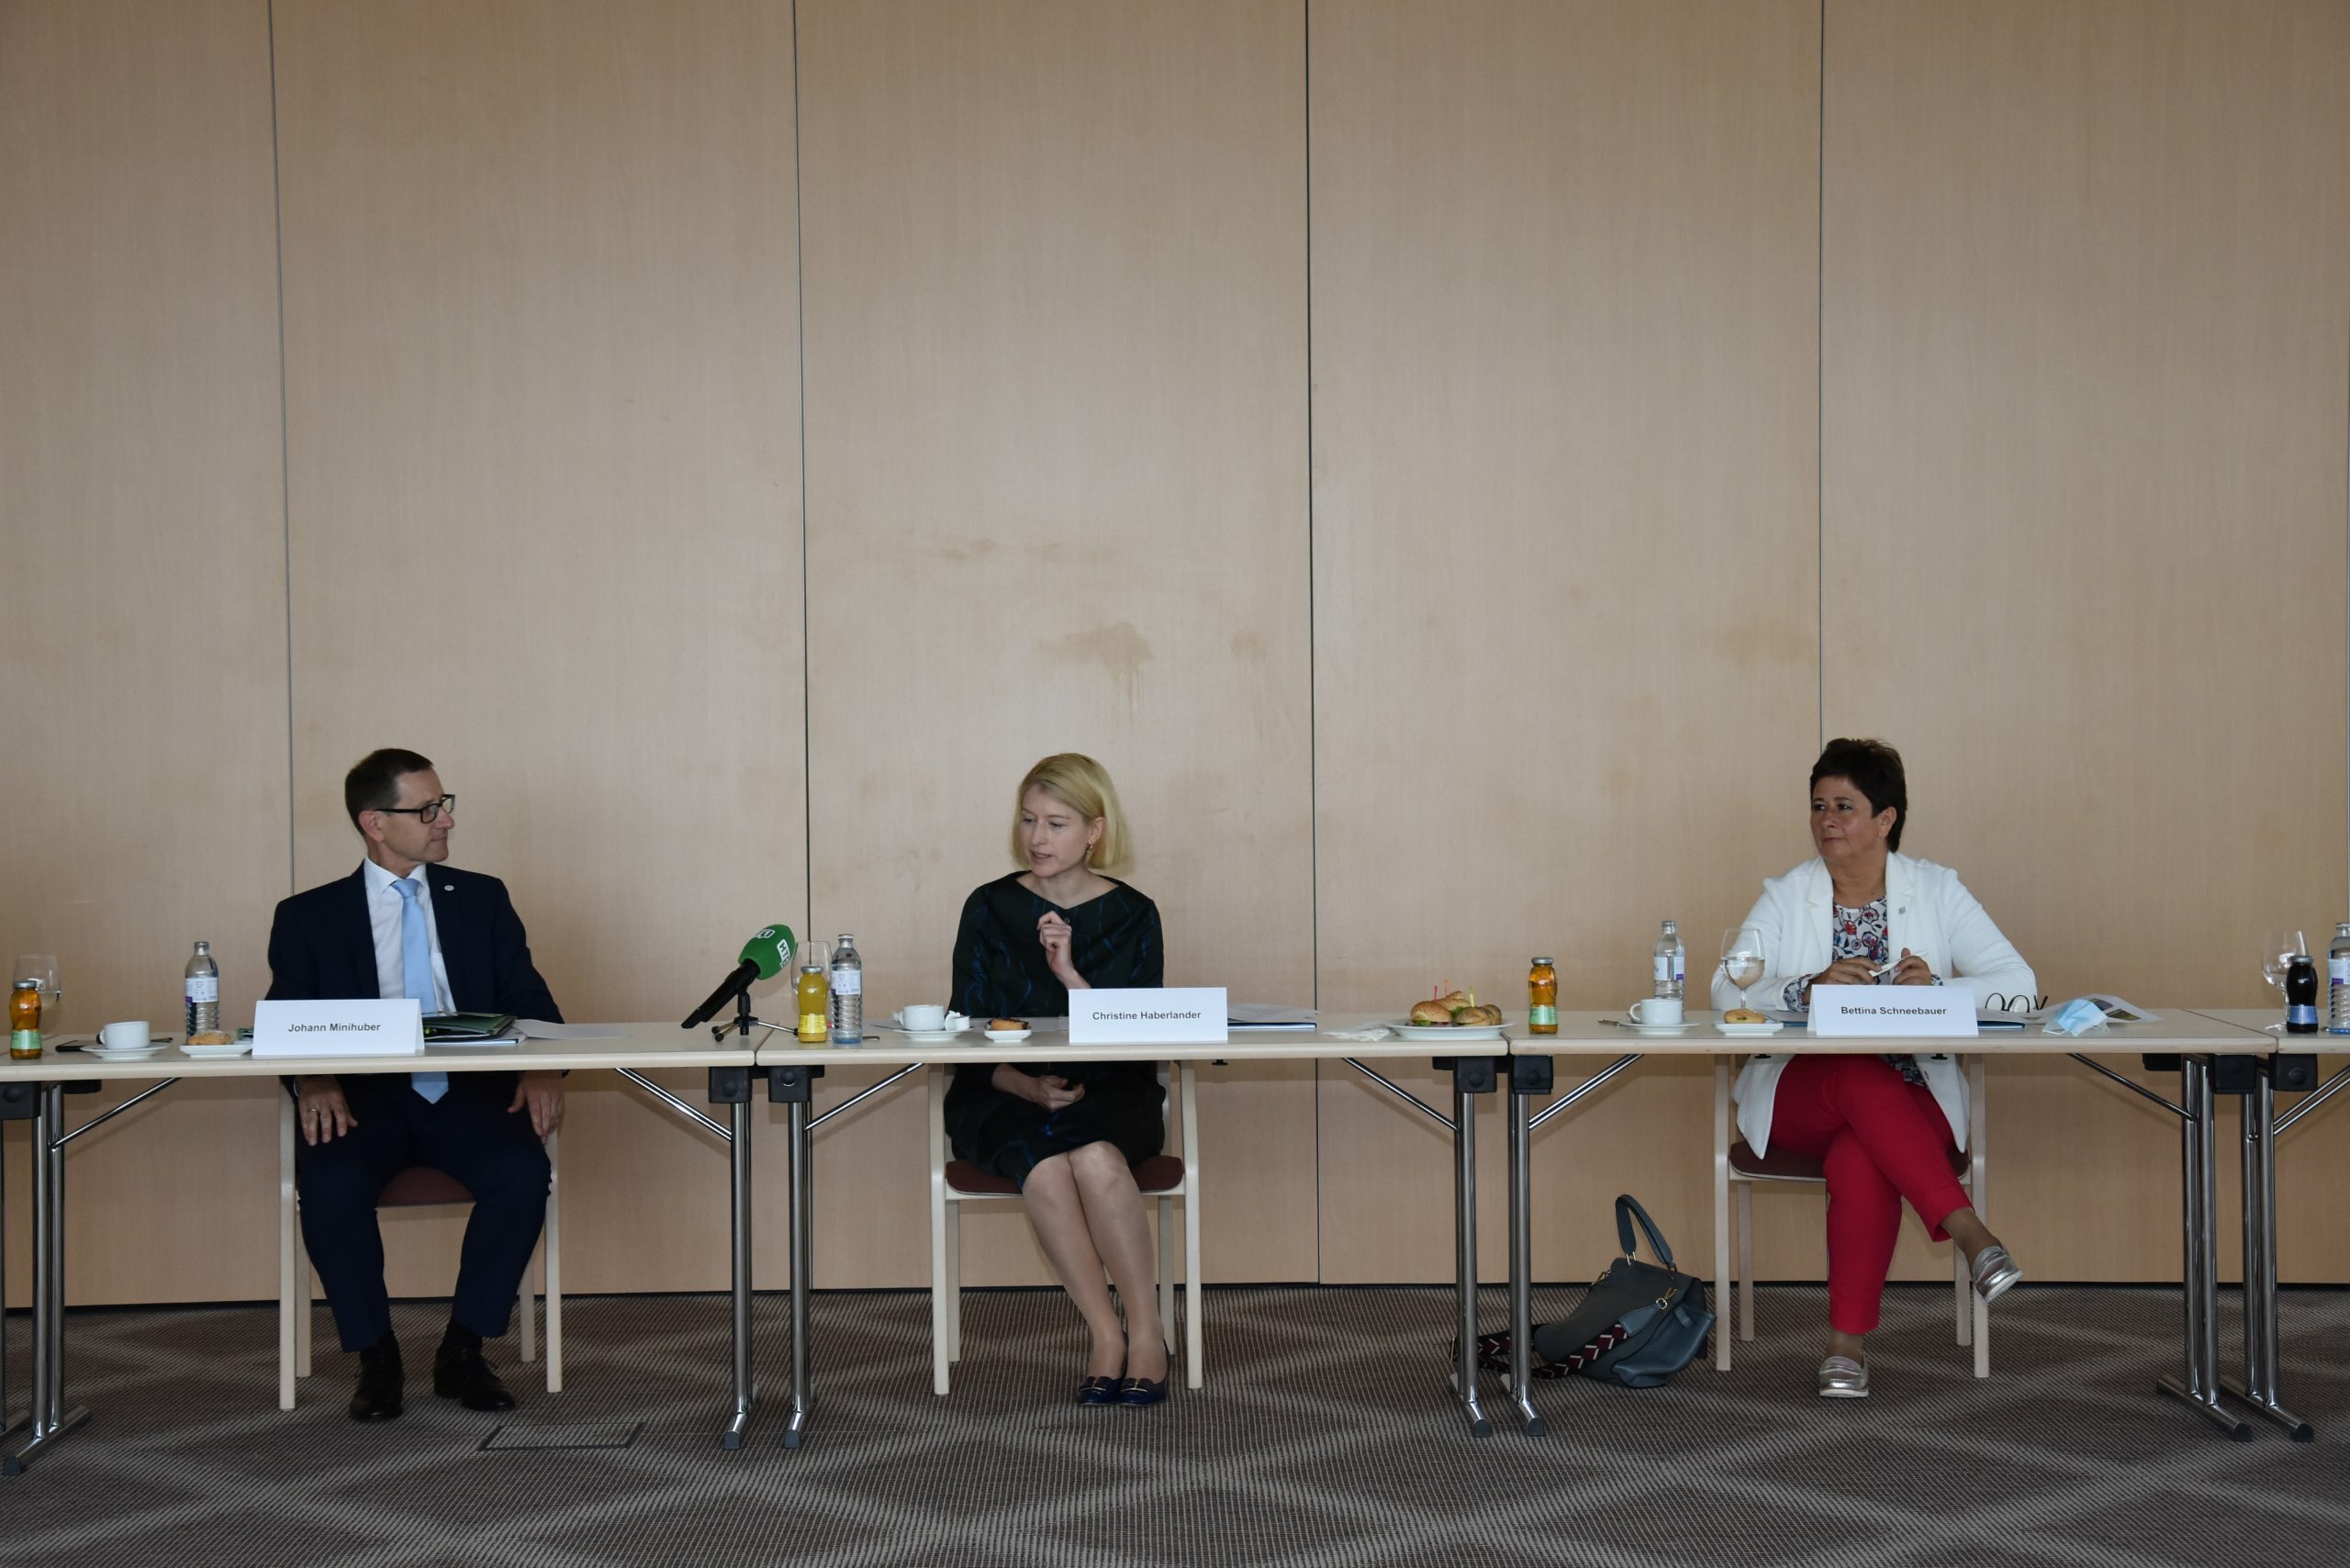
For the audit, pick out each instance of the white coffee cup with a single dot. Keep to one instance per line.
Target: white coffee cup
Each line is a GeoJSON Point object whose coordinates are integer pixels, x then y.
{"type": "Point", "coordinates": [923, 1019]}
{"type": "Point", "coordinates": [1653, 1011]}
{"type": "Point", "coordinates": [130, 1037]}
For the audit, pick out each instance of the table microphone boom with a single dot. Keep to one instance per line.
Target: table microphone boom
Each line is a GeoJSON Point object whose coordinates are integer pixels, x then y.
{"type": "Point", "coordinates": [763, 958]}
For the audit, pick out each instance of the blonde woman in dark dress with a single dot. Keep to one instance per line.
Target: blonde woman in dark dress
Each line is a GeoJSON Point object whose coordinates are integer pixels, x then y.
{"type": "Point", "coordinates": [1070, 1134]}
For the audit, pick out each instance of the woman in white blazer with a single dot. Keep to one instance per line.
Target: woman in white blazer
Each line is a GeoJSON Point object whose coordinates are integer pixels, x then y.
{"type": "Point", "coordinates": [1884, 1126]}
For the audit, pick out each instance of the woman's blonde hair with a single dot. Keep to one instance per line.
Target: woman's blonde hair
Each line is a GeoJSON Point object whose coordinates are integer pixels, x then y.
{"type": "Point", "coordinates": [1083, 785]}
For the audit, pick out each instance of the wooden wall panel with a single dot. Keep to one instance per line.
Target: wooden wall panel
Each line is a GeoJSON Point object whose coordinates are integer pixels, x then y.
{"type": "Point", "coordinates": [144, 633]}
{"type": "Point", "coordinates": [1056, 328]}
{"type": "Point", "coordinates": [542, 368]}
{"type": "Point", "coordinates": [1564, 433]}
{"type": "Point", "coordinates": [2087, 315]}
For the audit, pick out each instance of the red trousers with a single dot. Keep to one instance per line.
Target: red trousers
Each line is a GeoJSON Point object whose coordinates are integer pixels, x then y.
{"type": "Point", "coordinates": [1882, 1139]}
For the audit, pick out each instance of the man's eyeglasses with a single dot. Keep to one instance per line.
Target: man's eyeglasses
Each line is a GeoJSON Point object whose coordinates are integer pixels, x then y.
{"type": "Point", "coordinates": [427, 814]}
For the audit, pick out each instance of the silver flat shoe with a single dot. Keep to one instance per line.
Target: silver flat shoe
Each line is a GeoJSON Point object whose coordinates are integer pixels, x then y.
{"type": "Point", "coordinates": [1840, 1377]}
{"type": "Point", "coordinates": [1994, 1272]}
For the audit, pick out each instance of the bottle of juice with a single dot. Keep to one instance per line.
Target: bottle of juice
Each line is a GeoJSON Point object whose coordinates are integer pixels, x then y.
{"type": "Point", "coordinates": [24, 1020]}
{"type": "Point", "coordinates": [1542, 998]}
{"type": "Point", "coordinates": [815, 996]}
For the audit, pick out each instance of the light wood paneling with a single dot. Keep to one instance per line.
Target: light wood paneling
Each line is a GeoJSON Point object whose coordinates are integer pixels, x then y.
{"type": "Point", "coordinates": [542, 426]}
{"type": "Point", "coordinates": [144, 634]}
{"type": "Point", "coordinates": [2087, 316]}
{"type": "Point", "coordinates": [1057, 500]}
{"type": "Point", "coordinates": [1564, 517]}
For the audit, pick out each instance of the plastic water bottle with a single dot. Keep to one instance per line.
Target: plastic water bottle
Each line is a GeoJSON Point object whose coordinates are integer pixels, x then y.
{"type": "Point", "coordinates": [849, 994]}
{"type": "Point", "coordinates": [2337, 981]}
{"type": "Point", "coordinates": [1671, 969]}
{"type": "Point", "coordinates": [203, 990]}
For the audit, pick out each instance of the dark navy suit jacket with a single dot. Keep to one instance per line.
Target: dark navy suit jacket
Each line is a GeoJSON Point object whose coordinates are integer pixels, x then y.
{"type": "Point", "coordinates": [322, 948]}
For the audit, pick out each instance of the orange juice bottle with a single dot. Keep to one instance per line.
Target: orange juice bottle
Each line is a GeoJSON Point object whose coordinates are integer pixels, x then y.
{"type": "Point", "coordinates": [1542, 998]}
{"type": "Point", "coordinates": [815, 999]}
{"type": "Point", "coordinates": [24, 1020]}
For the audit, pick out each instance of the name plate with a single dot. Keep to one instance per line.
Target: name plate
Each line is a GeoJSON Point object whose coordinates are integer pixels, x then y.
{"type": "Point", "coordinates": [1176, 1015]}
{"type": "Point", "coordinates": [360, 1026]}
{"type": "Point", "coordinates": [1877, 1011]}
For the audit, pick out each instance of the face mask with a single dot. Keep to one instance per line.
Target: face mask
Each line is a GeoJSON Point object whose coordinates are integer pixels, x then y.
{"type": "Point", "coordinates": [2077, 1016]}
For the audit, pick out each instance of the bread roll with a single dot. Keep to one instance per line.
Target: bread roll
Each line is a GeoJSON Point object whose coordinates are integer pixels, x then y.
{"type": "Point", "coordinates": [1480, 1015]}
{"type": "Point", "coordinates": [1431, 1013]}
{"type": "Point", "coordinates": [1001, 1024]}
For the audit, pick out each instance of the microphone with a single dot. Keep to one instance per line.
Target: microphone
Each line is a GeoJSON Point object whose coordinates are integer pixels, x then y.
{"type": "Point", "coordinates": [764, 957]}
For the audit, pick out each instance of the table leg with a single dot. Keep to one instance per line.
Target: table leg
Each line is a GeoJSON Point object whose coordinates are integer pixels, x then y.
{"type": "Point", "coordinates": [2199, 1387]}
{"type": "Point", "coordinates": [48, 1419]}
{"type": "Point", "coordinates": [804, 1393]}
{"type": "Point", "coordinates": [739, 1149]}
{"type": "Point", "coordinates": [1464, 1225]}
{"type": "Point", "coordinates": [1521, 1255]}
{"type": "Point", "coordinates": [2260, 1352]}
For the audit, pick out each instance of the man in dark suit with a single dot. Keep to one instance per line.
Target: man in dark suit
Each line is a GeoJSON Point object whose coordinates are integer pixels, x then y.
{"type": "Point", "coordinates": [405, 925]}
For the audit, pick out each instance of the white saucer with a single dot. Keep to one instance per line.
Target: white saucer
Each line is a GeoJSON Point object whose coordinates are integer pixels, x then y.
{"type": "Point", "coordinates": [1771, 1027]}
{"type": "Point", "coordinates": [203, 1053]}
{"type": "Point", "coordinates": [1008, 1037]}
{"type": "Point", "coordinates": [1681, 1029]}
{"type": "Point", "coordinates": [930, 1036]}
{"type": "Point", "coordinates": [103, 1054]}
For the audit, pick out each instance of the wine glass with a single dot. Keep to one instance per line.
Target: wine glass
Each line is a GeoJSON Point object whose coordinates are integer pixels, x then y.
{"type": "Point", "coordinates": [2279, 948]}
{"type": "Point", "coordinates": [41, 968]}
{"type": "Point", "coordinates": [1742, 958]}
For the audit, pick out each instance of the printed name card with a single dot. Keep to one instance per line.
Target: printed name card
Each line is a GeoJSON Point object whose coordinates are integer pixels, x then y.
{"type": "Point", "coordinates": [1879, 1010]}
{"type": "Point", "coordinates": [1179, 1015]}
{"type": "Point", "coordinates": [362, 1027]}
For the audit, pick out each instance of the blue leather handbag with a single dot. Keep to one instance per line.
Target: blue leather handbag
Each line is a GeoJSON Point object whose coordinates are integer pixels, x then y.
{"type": "Point", "coordinates": [1640, 1323]}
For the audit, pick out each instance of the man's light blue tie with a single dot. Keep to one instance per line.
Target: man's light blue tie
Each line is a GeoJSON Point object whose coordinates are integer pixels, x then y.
{"type": "Point", "coordinates": [416, 973]}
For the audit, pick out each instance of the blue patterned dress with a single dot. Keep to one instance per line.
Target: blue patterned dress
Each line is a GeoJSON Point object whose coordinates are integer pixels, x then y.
{"type": "Point", "coordinates": [1000, 972]}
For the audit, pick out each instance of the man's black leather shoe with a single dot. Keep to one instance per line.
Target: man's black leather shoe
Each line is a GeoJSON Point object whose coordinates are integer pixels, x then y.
{"type": "Point", "coordinates": [380, 1377]}
{"type": "Point", "coordinates": [460, 1373]}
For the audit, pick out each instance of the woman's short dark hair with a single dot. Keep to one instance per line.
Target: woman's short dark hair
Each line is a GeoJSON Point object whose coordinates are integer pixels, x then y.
{"type": "Point", "coordinates": [1874, 769]}
{"type": "Point", "coordinates": [374, 782]}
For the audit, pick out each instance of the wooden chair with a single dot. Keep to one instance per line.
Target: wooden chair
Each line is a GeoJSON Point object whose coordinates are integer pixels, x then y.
{"type": "Point", "coordinates": [1736, 1166]}
{"type": "Point", "coordinates": [954, 1182]}
{"type": "Point", "coordinates": [418, 1186]}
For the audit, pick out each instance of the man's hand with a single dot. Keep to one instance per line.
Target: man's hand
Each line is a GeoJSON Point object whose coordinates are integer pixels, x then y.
{"type": "Point", "coordinates": [323, 1111]}
{"type": "Point", "coordinates": [543, 1092]}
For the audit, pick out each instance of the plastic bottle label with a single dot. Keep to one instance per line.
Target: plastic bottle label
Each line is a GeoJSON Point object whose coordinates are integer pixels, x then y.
{"type": "Point", "coordinates": [204, 988]}
{"type": "Point", "coordinates": [24, 1042]}
{"type": "Point", "coordinates": [1662, 970]}
{"type": "Point", "coordinates": [1541, 1016]}
{"type": "Point", "coordinates": [849, 982]}
{"type": "Point", "coordinates": [2301, 1012]}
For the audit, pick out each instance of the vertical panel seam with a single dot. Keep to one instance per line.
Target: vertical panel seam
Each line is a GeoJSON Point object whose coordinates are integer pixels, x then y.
{"type": "Point", "coordinates": [285, 441]}
{"type": "Point", "coordinates": [799, 357]}
{"type": "Point", "coordinates": [1819, 397]}
{"type": "Point", "coordinates": [1313, 668]}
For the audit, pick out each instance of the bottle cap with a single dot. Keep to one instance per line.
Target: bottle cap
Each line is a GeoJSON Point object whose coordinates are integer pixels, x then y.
{"type": "Point", "coordinates": [1540, 961]}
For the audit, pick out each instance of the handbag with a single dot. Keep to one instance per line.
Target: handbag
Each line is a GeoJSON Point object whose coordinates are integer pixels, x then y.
{"type": "Point", "coordinates": [1640, 1323]}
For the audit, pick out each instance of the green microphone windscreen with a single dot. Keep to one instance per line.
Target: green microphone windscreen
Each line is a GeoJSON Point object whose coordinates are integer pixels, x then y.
{"type": "Point", "coordinates": [770, 949]}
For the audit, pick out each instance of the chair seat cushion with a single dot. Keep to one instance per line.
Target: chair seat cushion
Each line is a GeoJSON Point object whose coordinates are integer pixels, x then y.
{"type": "Point", "coordinates": [422, 1184]}
{"type": "Point", "coordinates": [1160, 1174]}
{"type": "Point", "coordinates": [1785, 1165]}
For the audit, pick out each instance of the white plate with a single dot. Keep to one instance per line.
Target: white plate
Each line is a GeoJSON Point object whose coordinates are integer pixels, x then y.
{"type": "Point", "coordinates": [103, 1053]}
{"type": "Point", "coordinates": [1007, 1036]}
{"type": "Point", "coordinates": [1447, 1030]}
{"type": "Point", "coordinates": [203, 1053]}
{"type": "Point", "coordinates": [1771, 1027]}
{"type": "Point", "coordinates": [930, 1036]}
{"type": "Point", "coordinates": [1681, 1029]}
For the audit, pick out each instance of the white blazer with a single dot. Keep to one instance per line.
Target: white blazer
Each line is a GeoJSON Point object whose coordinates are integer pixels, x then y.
{"type": "Point", "coordinates": [1927, 910]}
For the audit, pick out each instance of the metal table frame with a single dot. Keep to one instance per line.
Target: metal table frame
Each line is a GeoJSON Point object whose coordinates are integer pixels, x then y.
{"type": "Point", "coordinates": [2201, 1384]}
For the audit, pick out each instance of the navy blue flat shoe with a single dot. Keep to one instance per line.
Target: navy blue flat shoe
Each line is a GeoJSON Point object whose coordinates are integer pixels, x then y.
{"type": "Point", "coordinates": [1141, 1390]}
{"type": "Point", "coordinates": [1098, 1391]}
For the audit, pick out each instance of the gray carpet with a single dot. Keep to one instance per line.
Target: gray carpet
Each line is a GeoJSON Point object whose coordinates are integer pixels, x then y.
{"type": "Point", "coordinates": [1324, 1437]}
